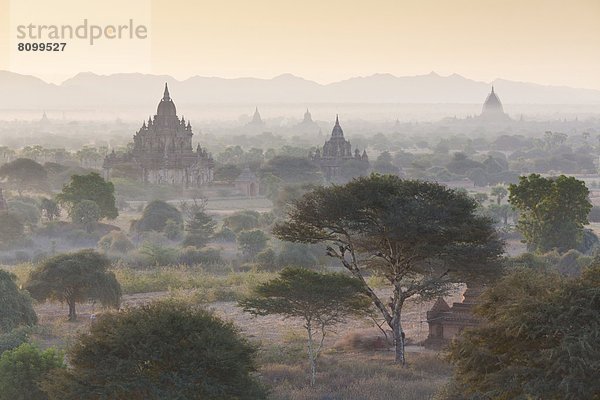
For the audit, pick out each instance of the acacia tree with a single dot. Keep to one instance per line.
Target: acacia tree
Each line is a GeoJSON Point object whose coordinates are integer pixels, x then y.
{"type": "Point", "coordinates": [420, 236]}
{"type": "Point", "coordinates": [322, 300]}
{"type": "Point", "coordinates": [552, 211]}
{"type": "Point", "coordinates": [539, 339]}
{"type": "Point", "coordinates": [74, 278]}
{"type": "Point", "coordinates": [499, 192]}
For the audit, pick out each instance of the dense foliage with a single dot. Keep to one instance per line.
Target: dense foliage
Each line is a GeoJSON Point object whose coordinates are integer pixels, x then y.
{"type": "Point", "coordinates": [24, 173]}
{"type": "Point", "coordinates": [156, 215]}
{"type": "Point", "coordinates": [23, 369]}
{"type": "Point", "coordinates": [552, 211]}
{"type": "Point", "coordinates": [419, 236]}
{"type": "Point", "coordinates": [90, 187]}
{"type": "Point", "coordinates": [15, 304]}
{"type": "Point", "coordinates": [539, 339]}
{"type": "Point", "coordinates": [75, 278]}
{"type": "Point", "coordinates": [159, 351]}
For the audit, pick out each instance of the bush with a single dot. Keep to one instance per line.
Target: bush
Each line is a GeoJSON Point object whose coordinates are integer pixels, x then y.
{"type": "Point", "coordinates": [29, 213]}
{"type": "Point", "coordinates": [156, 215]}
{"type": "Point", "coordinates": [193, 256]}
{"type": "Point", "coordinates": [14, 338]}
{"type": "Point", "coordinates": [267, 259]}
{"type": "Point", "coordinates": [157, 254]}
{"type": "Point", "coordinates": [252, 242]}
{"type": "Point", "coordinates": [115, 242]}
{"type": "Point", "coordinates": [242, 220]}
{"type": "Point", "coordinates": [164, 350]}
{"type": "Point", "coordinates": [225, 235]}
{"type": "Point", "coordinates": [15, 304]}
{"type": "Point", "coordinates": [22, 370]}
{"type": "Point", "coordinates": [11, 228]}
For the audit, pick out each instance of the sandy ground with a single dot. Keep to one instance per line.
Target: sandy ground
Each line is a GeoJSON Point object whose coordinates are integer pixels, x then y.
{"type": "Point", "coordinates": [55, 330]}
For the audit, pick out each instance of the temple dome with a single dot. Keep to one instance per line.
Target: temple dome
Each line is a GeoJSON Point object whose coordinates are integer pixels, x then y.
{"type": "Point", "coordinates": [492, 104]}
{"type": "Point", "coordinates": [337, 129]}
{"type": "Point", "coordinates": [166, 105]}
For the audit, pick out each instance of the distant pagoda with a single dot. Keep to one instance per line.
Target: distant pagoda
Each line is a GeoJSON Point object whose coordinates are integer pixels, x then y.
{"type": "Point", "coordinates": [162, 151]}
{"type": "Point", "coordinates": [492, 108]}
{"type": "Point", "coordinates": [336, 152]}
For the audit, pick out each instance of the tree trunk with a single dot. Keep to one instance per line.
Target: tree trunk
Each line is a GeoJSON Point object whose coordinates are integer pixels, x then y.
{"type": "Point", "coordinates": [312, 359]}
{"type": "Point", "coordinates": [72, 313]}
{"type": "Point", "coordinates": [398, 340]}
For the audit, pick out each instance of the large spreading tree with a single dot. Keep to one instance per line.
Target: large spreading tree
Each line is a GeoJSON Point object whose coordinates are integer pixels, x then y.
{"type": "Point", "coordinates": [420, 236]}
{"type": "Point", "coordinates": [74, 278]}
{"type": "Point", "coordinates": [90, 187]}
{"type": "Point", "coordinates": [553, 211]}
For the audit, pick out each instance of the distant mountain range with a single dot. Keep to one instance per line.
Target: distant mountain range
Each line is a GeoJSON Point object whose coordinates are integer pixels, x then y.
{"type": "Point", "coordinates": [90, 91]}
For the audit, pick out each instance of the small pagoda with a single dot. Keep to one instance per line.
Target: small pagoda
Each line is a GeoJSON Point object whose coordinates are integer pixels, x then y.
{"type": "Point", "coordinates": [445, 322]}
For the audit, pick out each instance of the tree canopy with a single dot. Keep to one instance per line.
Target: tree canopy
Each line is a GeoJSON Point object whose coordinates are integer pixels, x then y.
{"type": "Point", "coordinates": [293, 169]}
{"type": "Point", "coordinates": [86, 213]}
{"type": "Point", "coordinates": [23, 369]}
{"type": "Point", "coordinates": [11, 228]}
{"type": "Point", "coordinates": [321, 300]}
{"type": "Point", "coordinates": [15, 304]}
{"type": "Point", "coordinates": [252, 242]}
{"type": "Point", "coordinates": [553, 211]}
{"type": "Point", "coordinates": [24, 173]}
{"type": "Point", "coordinates": [539, 339]}
{"type": "Point", "coordinates": [156, 215]}
{"type": "Point", "coordinates": [420, 236]}
{"type": "Point", "coordinates": [90, 187]}
{"type": "Point", "coordinates": [158, 351]}
{"type": "Point", "coordinates": [75, 278]}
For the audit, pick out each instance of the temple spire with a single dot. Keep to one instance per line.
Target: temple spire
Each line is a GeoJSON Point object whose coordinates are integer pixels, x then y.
{"type": "Point", "coordinates": [492, 88]}
{"type": "Point", "coordinates": [166, 95]}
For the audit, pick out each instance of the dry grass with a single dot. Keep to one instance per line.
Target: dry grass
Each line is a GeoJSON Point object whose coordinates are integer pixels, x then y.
{"type": "Point", "coordinates": [229, 286]}
{"type": "Point", "coordinates": [360, 366]}
{"type": "Point", "coordinates": [354, 376]}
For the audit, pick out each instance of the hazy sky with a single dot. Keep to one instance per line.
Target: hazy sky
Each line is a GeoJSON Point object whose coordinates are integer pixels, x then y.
{"type": "Point", "coordinates": [543, 41]}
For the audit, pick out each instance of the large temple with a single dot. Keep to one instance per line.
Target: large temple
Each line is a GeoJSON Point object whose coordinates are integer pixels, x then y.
{"type": "Point", "coordinates": [336, 153]}
{"type": "Point", "coordinates": [493, 109]}
{"type": "Point", "coordinates": [162, 151]}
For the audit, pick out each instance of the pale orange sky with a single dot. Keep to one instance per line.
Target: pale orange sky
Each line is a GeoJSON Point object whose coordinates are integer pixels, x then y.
{"type": "Point", "coordinates": [543, 41]}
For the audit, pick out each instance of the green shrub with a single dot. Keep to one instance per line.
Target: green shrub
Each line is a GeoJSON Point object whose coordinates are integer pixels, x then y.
{"type": "Point", "coordinates": [22, 370]}
{"type": "Point", "coordinates": [156, 215]}
{"type": "Point", "coordinates": [225, 235]}
{"type": "Point", "coordinates": [193, 256]}
{"type": "Point", "coordinates": [165, 350]}
{"type": "Point", "coordinates": [15, 304]}
{"type": "Point", "coordinates": [115, 242]}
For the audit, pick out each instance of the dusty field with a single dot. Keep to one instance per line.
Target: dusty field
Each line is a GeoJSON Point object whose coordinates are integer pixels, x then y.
{"type": "Point", "coordinates": [55, 330]}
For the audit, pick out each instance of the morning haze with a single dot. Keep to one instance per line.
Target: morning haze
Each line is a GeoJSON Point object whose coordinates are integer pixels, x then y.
{"type": "Point", "coordinates": [277, 200]}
